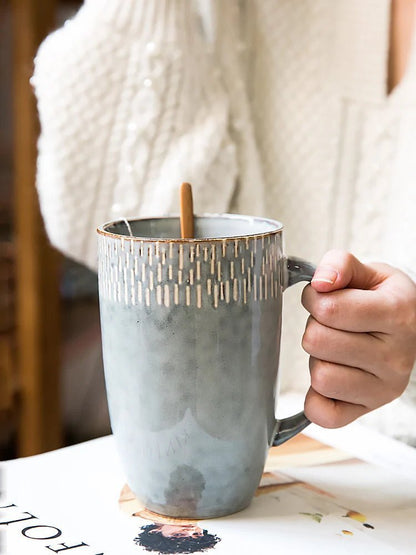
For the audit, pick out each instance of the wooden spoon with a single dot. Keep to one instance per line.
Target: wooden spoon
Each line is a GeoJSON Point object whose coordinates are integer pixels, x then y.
{"type": "Point", "coordinates": [187, 211]}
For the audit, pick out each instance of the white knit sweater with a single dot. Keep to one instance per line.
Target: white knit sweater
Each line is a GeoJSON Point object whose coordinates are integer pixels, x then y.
{"type": "Point", "coordinates": [268, 107]}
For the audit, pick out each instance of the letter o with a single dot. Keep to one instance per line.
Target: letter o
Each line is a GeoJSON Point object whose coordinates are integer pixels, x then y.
{"type": "Point", "coordinates": [56, 535]}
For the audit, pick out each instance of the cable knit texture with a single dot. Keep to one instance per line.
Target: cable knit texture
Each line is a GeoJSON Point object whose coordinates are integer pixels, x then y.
{"type": "Point", "coordinates": [274, 108]}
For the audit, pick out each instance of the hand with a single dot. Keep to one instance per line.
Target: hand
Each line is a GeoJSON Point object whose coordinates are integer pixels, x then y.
{"type": "Point", "coordinates": [361, 337]}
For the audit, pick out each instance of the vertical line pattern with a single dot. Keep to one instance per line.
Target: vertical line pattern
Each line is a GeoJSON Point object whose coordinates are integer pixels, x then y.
{"type": "Point", "coordinates": [208, 274]}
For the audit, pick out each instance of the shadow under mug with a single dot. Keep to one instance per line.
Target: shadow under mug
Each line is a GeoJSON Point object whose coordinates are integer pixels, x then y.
{"type": "Point", "coordinates": [191, 339]}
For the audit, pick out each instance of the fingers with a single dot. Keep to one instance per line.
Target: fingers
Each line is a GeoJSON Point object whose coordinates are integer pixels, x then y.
{"type": "Point", "coordinates": [339, 269]}
{"type": "Point", "coordinates": [361, 336]}
{"type": "Point", "coordinates": [351, 385]}
{"type": "Point", "coordinates": [361, 350]}
{"type": "Point", "coordinates": [330, 413]}
{"type": "Point", "coordinates": [348, 309]}
{"type": "Point", "coordinates": [390, 307]}
{"type": "Point", "coordinates": [340, 394]}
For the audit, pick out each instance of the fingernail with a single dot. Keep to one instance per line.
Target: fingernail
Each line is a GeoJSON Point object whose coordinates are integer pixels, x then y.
{"type": "Point", "coordinates": [325, 275]}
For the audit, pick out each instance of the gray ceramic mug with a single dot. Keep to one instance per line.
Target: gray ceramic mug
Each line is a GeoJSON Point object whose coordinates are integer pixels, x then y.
{"type": "Point", "coordinates": [191, 339]}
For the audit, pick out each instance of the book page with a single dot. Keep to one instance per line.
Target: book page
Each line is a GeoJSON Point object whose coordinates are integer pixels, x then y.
{"type": "Point", "coordinates": [312, 497]}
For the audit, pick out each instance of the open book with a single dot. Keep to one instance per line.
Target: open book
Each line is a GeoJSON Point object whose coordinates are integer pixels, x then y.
{"type": "Point", "coordinates": [313, 498]}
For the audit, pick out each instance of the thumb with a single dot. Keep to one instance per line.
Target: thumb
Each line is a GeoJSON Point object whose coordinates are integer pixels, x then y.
{"type": "Point", "coordinates": [339, 269]}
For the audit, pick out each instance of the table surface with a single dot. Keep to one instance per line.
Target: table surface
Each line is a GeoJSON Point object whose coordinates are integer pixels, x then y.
{"type": "Point", "coordinates": [313, 496]}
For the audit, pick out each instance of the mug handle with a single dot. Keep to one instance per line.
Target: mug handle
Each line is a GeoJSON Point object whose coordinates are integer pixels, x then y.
{"type": "Point", "coordinates": [296, 270]}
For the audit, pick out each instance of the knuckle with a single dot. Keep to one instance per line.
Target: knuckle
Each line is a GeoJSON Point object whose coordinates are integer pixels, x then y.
{"type": "Point", "coordinates": [396, 309]}
{"type": "Point", "coordinates": [403, 365]}
{"type": "Point", "coordinates": [398, 362]}
{"type": "Point", "coordinates": [347, 258]}
{"type": "Point", "coordinates": [395, 300]}
{"type": "Point", "coordinates": [326, 310]}
{"type": "Point", "coordinates": [321, 378]}
{"type": "Point", "coordinates": [310, 338]}
{"type": "Point", "coordinates": [328, 418]}
{"type": "Point", "coordinates": [403, 313]}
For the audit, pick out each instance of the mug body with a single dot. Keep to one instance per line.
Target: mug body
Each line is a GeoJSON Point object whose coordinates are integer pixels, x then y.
{"type": "Point", "coordinates": [191, 334]}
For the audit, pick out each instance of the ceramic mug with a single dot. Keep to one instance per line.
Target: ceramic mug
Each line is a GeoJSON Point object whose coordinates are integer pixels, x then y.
{"type": "Point", "coordinates": [191, 338]}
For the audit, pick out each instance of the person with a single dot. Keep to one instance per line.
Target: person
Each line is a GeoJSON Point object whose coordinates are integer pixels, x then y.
{"type": "Point", "coordinates": [166, 534]}
{"type": "Point", "coordinates": [299, 111]}
{"type": "Point", "coordinates": [165, 538]}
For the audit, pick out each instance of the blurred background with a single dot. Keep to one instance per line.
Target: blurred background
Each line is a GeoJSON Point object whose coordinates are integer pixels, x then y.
{"type": "Point", "coordinates": [50, 350]}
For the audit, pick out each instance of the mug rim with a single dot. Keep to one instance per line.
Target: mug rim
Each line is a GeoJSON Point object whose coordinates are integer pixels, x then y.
{"type": "Point", "coordinates": [101, 229]}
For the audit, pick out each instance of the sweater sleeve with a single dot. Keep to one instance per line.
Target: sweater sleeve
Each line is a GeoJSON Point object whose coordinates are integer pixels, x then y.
{"type": "Point", "coordinates": [131, 104]}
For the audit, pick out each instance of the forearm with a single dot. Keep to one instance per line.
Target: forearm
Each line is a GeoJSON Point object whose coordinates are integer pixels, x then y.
{"type": "Point", "coordinates": [129, 107]}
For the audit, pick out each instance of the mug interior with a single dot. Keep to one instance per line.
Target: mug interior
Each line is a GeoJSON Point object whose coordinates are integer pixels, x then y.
{"type": "Point", "coordinates": [206, 227]}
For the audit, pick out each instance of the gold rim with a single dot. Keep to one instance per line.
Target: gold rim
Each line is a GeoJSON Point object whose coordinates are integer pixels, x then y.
{"type": "Point", "coordinates": [101, 230]}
